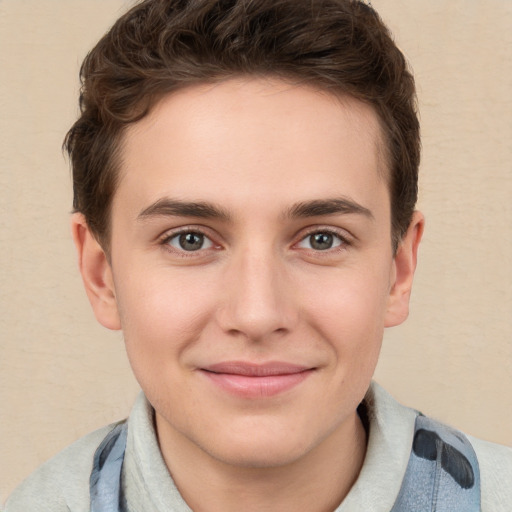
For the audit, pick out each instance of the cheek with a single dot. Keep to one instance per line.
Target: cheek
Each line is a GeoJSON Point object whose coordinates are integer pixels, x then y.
{"type": "Point", "coordinates": [350, 300]}
{"type": "Point", "coordinates": [350, 314]}
{"type": "Point", "coordinates": [161, 319]}
{"type": "Point", "coordinates": [161, 313]}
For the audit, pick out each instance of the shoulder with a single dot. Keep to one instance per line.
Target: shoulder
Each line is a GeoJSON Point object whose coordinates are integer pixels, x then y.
{"type": "Point", "coordinates": [495, 462]}
{"type": "Point", "coordinates": [396, 426]}
{"type": "Point", "coordinates": [61, 483]}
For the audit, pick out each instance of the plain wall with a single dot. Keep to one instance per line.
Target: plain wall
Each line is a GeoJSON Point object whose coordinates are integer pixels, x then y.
{"type": "Point", "coordinates": [61, 375]}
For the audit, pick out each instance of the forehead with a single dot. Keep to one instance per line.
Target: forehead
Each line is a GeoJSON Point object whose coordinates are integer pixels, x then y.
{"type": "Point", "coordinates": [226, 139]}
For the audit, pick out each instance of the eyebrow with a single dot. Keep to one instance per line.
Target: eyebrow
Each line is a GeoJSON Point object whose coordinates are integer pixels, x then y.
{"type": "Point", "coordinates": [174, 207]}
{"type": "Point", "coordinates": [319, 207]}
{"type": "Point", "coordinates": [315, 208]}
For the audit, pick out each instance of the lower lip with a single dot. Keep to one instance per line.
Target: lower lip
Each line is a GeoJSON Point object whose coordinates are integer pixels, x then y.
{"type": "Point", "coordinates": [257, 387]}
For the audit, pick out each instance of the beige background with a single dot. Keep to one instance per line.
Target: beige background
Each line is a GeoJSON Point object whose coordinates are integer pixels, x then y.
{"type": "Point", "coordinates": [61, 375]}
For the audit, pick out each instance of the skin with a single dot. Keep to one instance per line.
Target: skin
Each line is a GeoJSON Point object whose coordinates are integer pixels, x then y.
{"type": "Point", "coordinates": [271, 166]}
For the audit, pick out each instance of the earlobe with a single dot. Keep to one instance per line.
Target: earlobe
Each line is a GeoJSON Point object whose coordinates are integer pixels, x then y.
{"type": "Point", "coordinates": [96, 273]}
{"type": "Point", "coordinates": [404, 266]}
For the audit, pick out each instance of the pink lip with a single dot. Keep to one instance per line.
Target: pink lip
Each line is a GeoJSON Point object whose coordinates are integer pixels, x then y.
{"type": "Point", "coordinates": [248, 380]}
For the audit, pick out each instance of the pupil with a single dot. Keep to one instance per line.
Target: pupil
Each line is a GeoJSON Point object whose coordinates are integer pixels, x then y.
{"type": "Point", "coordinates": [191, 241]}
{"type": "Point", "coordinates": [321, 241]}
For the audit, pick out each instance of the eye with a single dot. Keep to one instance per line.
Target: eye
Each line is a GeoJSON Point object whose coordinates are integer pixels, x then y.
{"type": "Point", "coordinates": [189, 241]}
{"type": "Point", "coordinates": [321, 241]}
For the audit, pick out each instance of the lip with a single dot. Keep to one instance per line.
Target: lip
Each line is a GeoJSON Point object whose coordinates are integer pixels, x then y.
{"type": "Point", "coordinates": [249, 380]}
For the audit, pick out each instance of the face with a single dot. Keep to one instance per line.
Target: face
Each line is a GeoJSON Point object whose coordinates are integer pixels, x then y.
{"type": "Point", "coordinates": [252, 269]}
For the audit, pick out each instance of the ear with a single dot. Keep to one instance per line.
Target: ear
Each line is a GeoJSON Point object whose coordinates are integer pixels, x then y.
{"type": "Point", "coordinates": [96, 273]}
{"type": "Point", "coordinates": [404, 265]}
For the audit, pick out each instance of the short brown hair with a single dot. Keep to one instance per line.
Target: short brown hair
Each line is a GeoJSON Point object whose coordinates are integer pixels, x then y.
{"type": "Point", "coordinates": [160, 46]}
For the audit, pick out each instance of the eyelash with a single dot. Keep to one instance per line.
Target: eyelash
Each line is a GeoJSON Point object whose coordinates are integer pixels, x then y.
{"type": "Point", "coordinates": [165, 241]}
{"type": "Point", "coordinates": [319, 230]}
{"type": "Point", "coordinates": [344, 241]}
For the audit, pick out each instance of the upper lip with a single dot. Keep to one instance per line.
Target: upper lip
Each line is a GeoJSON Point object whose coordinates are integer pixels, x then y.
{"type": "Point", "coordinates": [255, 369]}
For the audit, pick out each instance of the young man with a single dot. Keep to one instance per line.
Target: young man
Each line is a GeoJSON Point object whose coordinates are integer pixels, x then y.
{"type": "Point", "coordinates": [245, 177]}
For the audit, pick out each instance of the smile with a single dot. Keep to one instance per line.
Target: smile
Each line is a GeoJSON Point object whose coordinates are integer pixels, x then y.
{"type": "Point", "coordinates": [247, 380]}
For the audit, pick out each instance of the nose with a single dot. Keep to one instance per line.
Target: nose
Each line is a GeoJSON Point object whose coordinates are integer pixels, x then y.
{"type": "Point", "coordinates": [258, 297]}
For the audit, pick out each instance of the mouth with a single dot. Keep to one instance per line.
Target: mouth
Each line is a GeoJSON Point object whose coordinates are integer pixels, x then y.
{"type": "Point", "coordinates": [248, 380]}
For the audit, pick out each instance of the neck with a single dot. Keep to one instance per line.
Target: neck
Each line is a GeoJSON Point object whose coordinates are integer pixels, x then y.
{"type": "Point", "coordinates": [317, 482]}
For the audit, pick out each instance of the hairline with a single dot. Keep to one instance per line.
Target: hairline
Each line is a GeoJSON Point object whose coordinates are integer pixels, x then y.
{"type": "Point", "coordinates": [382, 144]}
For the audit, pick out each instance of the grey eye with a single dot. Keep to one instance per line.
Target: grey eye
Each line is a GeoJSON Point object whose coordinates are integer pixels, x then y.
{"type": "Point", "coordinates": [190, 241]}
{"type": "Point", "coordinates": [321, 241]}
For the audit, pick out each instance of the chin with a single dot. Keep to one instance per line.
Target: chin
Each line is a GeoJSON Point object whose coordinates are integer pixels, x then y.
{"type": "Point", "coordinates": [263, 446]}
